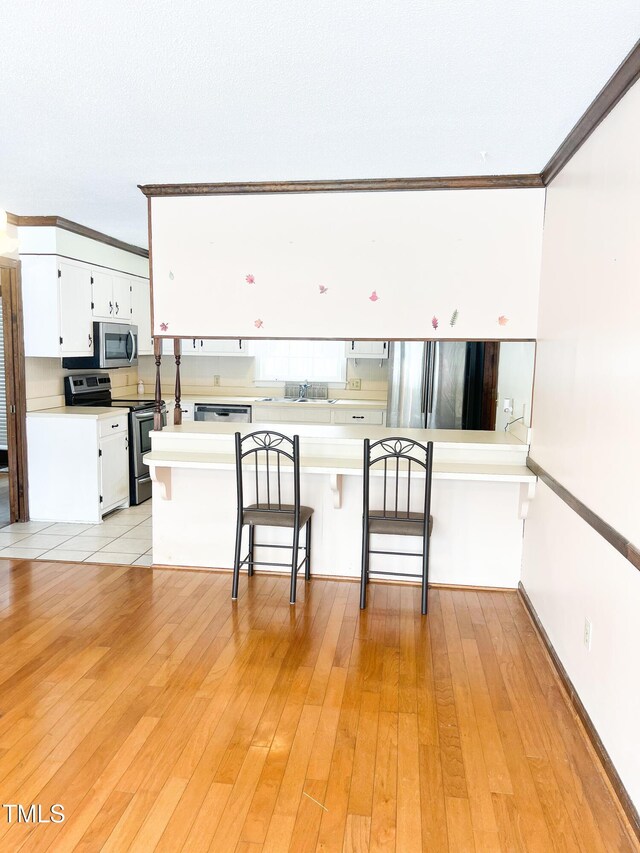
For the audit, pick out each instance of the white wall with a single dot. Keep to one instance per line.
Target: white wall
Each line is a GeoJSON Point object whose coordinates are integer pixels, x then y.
{"type": "Point", "coordinates": [425, 254]}
{"type": "Point", "coordinates": [586, 418]}
{"type": "Point", "coordinates": [515, 381]}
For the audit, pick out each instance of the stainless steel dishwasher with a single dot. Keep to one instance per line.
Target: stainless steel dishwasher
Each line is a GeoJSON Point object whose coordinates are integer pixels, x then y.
{"type": "Point", "coordinates": [222, 413]}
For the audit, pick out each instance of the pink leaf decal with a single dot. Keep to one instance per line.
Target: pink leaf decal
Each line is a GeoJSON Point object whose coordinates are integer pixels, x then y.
{"type": "Point", "coordinates": [164, 327]}
{"type": "Point", "coordinates": [502, 320]}
{"type": "Point", "coordinates": [374, 296]}
{"type": "Point", "coordinates": [258, 324]}
{"type": "Point", "coordinates": [250, 279]}
{"type": "Point", "coordinates": [322, 288]}
{"type": "Point", "coordinates": [434, 322]}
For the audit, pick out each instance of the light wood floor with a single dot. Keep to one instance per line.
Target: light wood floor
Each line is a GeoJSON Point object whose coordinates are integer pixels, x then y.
{"type": "Point", "coordinates": [165, 718]}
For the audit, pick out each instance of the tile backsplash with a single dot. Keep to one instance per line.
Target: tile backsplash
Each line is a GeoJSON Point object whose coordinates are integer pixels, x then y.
{"type": "Point", "coordinates": [237, 377]}
{"type": "Point", "coordinates": [45, 382]}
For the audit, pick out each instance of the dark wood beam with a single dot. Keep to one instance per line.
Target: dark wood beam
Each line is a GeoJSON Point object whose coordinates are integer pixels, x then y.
{"type": "Point", "coordinates": [473, 182]}
{"type": "Point", "coordinates": [628, 550]}
{"type": "Point", "coordinates": [615, 88]}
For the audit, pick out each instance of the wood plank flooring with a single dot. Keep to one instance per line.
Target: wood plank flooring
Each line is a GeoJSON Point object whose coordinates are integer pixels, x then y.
{"type": "Point", "coordinates": [165, 718]}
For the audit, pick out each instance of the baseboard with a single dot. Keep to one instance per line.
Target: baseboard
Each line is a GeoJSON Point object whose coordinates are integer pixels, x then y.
{"type": "Point", "coordinates": [612, 774]}
{"type": "Point", "coordinates": [342, 579]}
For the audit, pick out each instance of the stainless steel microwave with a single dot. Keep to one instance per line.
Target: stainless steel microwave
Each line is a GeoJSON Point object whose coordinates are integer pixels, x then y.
{"type": "Point", "coordinates": [114, 345]}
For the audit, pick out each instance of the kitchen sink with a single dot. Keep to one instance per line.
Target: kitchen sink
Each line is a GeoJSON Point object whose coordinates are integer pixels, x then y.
{"type": "Point", "coordinates": [293, 400]}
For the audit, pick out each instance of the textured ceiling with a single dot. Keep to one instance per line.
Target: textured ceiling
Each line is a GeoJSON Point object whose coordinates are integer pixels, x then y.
{"type": "Point", "coordinates": [98, 97]}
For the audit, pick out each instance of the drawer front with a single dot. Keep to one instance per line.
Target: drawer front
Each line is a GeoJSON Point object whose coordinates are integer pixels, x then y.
{"type": "Point", "coordinates": [112, 426]}
{"type": "Point", "coordinates": [353, 416]}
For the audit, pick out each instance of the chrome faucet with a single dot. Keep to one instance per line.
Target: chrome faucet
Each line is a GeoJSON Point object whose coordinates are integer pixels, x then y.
{"type": "Point", "coordinates": [303, 389]}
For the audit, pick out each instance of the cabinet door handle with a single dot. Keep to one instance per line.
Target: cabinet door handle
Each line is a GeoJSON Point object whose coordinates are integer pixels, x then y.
{"type": "Point", "coordinates": [353, 345]}
{"type": "Point", "coordinates": [110, 307]}
{"type": "Point", "coordinates": [90, 342]}
{"type": "Point", "coordinates": [358, 417]}
{"type": "Point", "coordinates": [117, 308]}
{"type": "Point", "coordinates": [115, 426]}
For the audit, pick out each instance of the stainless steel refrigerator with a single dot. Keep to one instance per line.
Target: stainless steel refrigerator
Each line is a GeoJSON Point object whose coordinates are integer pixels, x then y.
{"type": "Point", "coordinates": [435, 384]}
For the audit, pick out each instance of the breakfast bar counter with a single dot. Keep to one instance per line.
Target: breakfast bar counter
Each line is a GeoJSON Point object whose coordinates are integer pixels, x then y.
{"type": "Point", "coordinates": [481, 492]}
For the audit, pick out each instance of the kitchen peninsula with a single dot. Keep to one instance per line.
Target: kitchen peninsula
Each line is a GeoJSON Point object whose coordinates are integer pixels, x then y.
{"type": "Point", "coordinates": [480, 496]}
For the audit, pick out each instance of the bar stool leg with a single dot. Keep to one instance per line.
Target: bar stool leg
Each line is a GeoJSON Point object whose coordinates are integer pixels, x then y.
{"type": "Point", "coordinates": [251, 540]}
{"type": "Point", "coordinates": [307, 564]}
{"type": "Point", "coordinates": [425, 573]}
{"type": "Point", "coordinates": [294, 564]}
{"type": "Point", "coordinates": [236, 562]}
{"type": "Point", "coordinates": [364, 576]}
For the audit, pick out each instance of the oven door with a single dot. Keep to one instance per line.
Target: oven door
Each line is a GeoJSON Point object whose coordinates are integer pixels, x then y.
{"type": "Point", "coordinates": [118, 344]}
{"type": "Point", "coordinates": [141, 427]}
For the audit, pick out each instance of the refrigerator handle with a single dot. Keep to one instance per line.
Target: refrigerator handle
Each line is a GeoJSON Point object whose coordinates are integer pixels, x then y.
{"type": "Point", "coordinates": [431, 377]}
{"type": "Point", "coordinates": [425, 379]}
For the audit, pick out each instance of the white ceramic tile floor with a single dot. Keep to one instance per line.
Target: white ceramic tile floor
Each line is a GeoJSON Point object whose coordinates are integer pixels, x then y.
{"type": "Point", "coordinates": [123, 538]}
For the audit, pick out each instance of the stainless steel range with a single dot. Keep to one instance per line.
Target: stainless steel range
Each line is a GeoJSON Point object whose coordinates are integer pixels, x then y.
{"type": "Point", "coordinates": [94, 389]}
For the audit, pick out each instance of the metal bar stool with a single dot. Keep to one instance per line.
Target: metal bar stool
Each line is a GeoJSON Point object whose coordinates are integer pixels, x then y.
{"type": "Point", "coordinates": [399, 460]}
{"type": "Point", "coordinates": [270, 454]}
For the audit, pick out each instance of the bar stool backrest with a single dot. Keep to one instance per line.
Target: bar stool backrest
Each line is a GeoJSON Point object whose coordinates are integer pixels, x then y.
{"type": "Point", "coordinates": [406, 467]}
{"type": "Point", "coordinates": [262, 458]}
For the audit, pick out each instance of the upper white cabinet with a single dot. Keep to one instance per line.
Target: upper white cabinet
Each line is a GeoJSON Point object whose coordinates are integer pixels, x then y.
{"type": "Point", "coordinates": [204, 346]}
{"type": "Point", "coordinates": [56, 296]}
{"type": "Point", "coordinates": [141, 314]}
{"type": "Point", "coordinates": [63, 298]}
{"type": "Point", "coordinates": [111, 296]}
{"type": "Point", "coordinates": [76, 322]}
{"type": "Point", "coordinates": [367, 349]}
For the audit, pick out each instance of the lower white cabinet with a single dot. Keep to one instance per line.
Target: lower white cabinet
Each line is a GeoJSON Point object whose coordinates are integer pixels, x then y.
{"type": "Point", "coordinates": [114, 475]}
{"type": "Point", "coordinates": [318, 413]}
{"type": "Point", "coordinates": [78, 464]}
{"type": "Point", "coordinates": [376, 417]}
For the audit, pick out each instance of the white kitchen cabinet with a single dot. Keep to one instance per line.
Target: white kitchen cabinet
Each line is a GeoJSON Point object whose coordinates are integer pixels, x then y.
{"type": "Point", "coordinates": [367, 349]}
{"type": "Point", "coordinates": [141, 314]}
{"type": "Point", "coordinates": [78, 464]}
{"type": "Point", "coordinates": [76, 322]}
{"type": "Point", "coordinates": [111, 296]}
{"type": "Point", "coordinates": [359, 416]}
{"type": "Point", "coordinates": [56, 297]}
{"type": "Point", "coordinates": [114, 469]}
{"type": "Point", "coordinates": [291, 413]}
{"type": "Point", "coordinates": [210, 347]}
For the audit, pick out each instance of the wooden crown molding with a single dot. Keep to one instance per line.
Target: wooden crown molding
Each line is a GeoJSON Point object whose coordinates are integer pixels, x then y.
{"type": "Point", "coordinates": [76, 228]}
{"type": "Point", "coordinates": [473, 182]}
{"type": "Point", "coordinates": [615, 88]}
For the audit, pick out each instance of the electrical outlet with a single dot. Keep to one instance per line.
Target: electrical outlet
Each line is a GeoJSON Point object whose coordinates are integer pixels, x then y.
{"type": "Point", "coordinates": [587, 634]}
{"type": "Point", "coordinates": [353, 384]}
{"type": "Point", "coordinates": [216, 380]}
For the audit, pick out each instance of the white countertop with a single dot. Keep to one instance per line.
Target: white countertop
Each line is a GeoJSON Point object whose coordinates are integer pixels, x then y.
{"type": "Point", "coordinates": [440, 437]}
{"type": "Point", "coordinates": [260, 401]}
{"type": "Point", "coordinates": [95, 412]}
